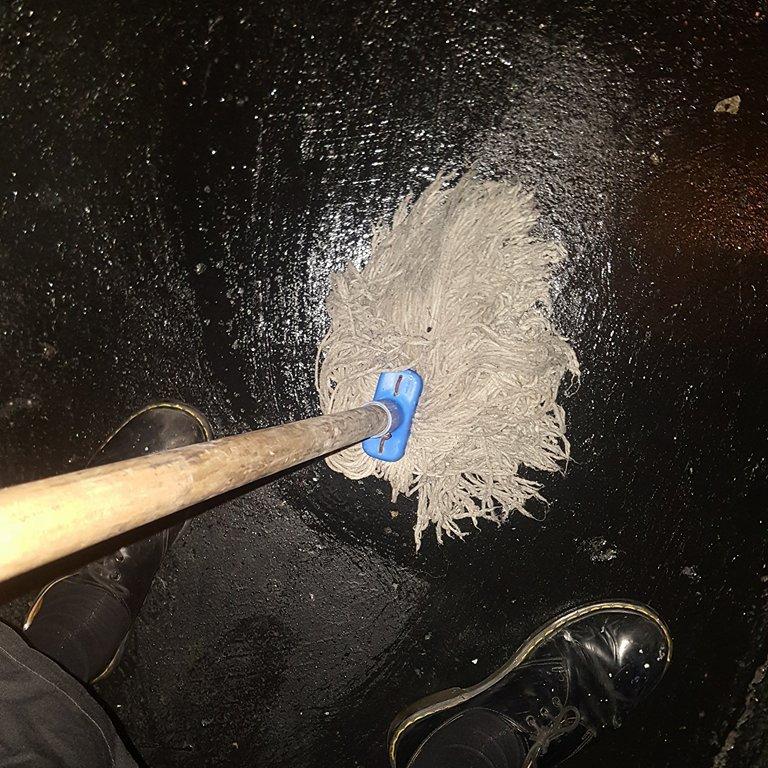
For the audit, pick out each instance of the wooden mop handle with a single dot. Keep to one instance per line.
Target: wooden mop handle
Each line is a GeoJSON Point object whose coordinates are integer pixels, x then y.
{"type": "Point", "coordinates": [48, 519]}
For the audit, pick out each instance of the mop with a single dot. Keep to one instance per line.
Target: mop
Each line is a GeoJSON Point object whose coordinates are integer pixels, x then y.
{"type": "Point", "coordinates": [456, 289]}
{"type": "Point", "coordinates": [447, 328]}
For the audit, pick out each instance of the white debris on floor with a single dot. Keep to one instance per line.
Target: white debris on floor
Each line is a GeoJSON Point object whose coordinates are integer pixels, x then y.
{"type": "Point", "coordinates": [730, 105]}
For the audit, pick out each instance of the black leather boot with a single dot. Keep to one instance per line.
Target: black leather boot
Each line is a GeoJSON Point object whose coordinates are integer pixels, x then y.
{"type": "Point", "coordinates": [579, 673]}
{"type": "Point", "coordinates": [82, 620]}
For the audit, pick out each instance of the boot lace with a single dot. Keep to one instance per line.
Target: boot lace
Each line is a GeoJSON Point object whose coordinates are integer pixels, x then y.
{"type": "Point", "coordinates": [550, 726]}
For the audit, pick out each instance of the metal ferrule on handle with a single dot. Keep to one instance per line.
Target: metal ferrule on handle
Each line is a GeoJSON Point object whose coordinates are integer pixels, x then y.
{"type": "Point", "coordinates": [393, 413]}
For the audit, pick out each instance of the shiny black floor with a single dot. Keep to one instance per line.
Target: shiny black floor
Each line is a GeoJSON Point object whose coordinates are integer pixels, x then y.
{"type": "Point", "coordinates": [176, 182]}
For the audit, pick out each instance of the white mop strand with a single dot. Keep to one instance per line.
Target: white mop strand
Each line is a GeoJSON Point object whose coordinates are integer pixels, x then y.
{"type": "Point", "coordinates": [457, 289]}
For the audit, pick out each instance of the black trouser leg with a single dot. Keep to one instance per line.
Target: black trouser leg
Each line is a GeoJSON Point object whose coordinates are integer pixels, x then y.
{"type": "Point", "coordinates": [47, 718]}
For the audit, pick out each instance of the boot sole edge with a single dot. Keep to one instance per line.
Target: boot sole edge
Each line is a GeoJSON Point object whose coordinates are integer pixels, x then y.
{"type": "Point", "coordinates": [421, 709]}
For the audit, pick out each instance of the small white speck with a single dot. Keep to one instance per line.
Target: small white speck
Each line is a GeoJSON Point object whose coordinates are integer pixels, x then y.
{"type": "Point", "coordinates": [474, 661]}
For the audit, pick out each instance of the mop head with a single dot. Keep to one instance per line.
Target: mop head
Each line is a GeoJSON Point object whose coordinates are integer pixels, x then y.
{"type": "Point", "coordinates": [456, 288]}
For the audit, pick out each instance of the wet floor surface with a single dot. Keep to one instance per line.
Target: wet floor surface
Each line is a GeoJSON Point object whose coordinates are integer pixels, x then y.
{"type": "Point", "coordinates": [176, 183]}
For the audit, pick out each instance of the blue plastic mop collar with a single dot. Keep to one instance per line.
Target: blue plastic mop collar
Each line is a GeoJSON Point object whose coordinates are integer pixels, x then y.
{"type": "Point", "coordinates": [398, 392]}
